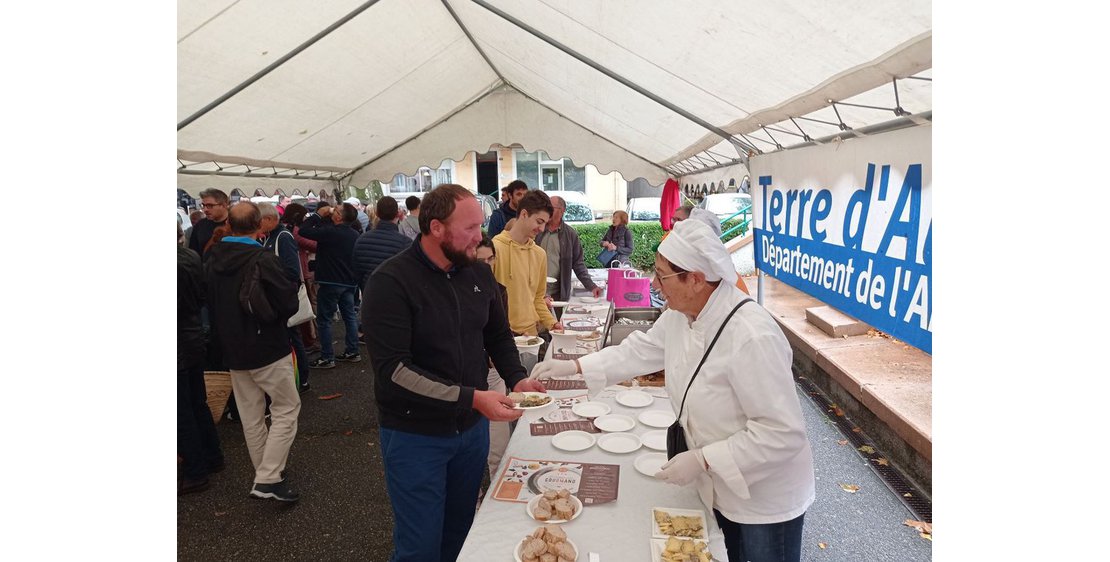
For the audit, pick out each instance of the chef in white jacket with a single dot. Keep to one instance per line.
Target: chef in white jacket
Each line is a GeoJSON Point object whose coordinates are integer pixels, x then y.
{"type": "Point", "coordinates": [748, 455]}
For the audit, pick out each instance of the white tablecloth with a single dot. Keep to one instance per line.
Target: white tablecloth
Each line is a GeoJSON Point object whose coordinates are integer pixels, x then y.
{"type": "Point", "coordinates": [619, 530]}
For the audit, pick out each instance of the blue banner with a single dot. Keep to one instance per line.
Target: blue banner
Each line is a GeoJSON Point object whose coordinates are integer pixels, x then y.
{"type": "Point", "coordinates": [890, 294]}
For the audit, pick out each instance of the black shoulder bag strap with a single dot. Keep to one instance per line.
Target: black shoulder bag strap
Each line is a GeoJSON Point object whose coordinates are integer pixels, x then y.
{"type": "Point", "coordinates": [676, 437]}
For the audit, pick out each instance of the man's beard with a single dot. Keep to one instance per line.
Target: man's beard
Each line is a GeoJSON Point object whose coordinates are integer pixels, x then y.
{"type": "Point", "coordinates": [458, 258]}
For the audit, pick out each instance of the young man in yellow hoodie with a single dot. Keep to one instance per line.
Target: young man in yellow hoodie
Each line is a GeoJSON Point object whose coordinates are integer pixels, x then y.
{"type": "Point", "coordinates": [521, 266]}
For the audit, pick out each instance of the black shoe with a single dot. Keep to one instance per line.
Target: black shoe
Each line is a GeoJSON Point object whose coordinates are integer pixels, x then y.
{"type": "Point", "coordinates": [351, 357]}
{"type": "Point", "coordinates": [304, 388]}
{"type": "Point", "coordinates": [216, 467]}
{"type": "Point", "coordinates": [277, 491]}
{"type": "Point", "coordinates": [321, 363]}
{"type": "Point", "coordinates": [192, 486]}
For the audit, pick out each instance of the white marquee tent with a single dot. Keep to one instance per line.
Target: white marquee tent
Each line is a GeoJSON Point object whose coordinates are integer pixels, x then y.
{"type": "Point", "coordinates": [350, 91]}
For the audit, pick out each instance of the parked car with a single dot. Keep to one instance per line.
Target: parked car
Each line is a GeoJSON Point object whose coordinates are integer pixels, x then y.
{"type": "Point", "coordinates": [578, 207]}
{"type": "Point", "coordinates": [725, 205]}
{"type": "Point", "coordinates": [644, 209]}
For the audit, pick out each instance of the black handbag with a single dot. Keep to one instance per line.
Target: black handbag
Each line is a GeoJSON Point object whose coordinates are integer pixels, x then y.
{"type": "Point", "coordinates": [676, 436]}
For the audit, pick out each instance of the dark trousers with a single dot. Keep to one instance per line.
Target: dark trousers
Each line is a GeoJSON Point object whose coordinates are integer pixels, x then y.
{"type": "Point", "coordinates": [772, 542]}
{"type": "Point", "coordinates": [432, 483]}
{"type": "Point", "coordinates": [197, 442]}
{"type": "Point", "coordinates": [302, 355]}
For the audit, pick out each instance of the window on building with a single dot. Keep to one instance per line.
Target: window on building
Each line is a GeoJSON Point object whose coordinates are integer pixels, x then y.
{"type": "Point", "coordinates": [539, 171]}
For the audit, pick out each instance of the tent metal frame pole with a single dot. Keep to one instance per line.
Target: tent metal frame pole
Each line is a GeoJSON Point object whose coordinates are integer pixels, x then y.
{"type": "Point", "coordinates": [711, 168]}
{"type": "Point", "coordinates": [250, 175]}
{"type": "Point", "coordinates": [472, 41]}
{"type": "Point", "coordinates": [258, 76]}
{"type": "Point", "coordinates": [598, 67]}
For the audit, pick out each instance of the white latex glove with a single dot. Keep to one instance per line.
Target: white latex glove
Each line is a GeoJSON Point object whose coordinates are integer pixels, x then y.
{"type": "Point", "coordinates": [683, 468]}
{"type": "Point", "coordinates": [554, 368]}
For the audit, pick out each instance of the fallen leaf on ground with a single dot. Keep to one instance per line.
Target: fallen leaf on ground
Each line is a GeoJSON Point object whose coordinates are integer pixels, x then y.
{"type": "Point", "coordinates": [882, 461]}
{"type": "Point", "coordinates": [907, 495]}
{"type": "Point", "coordinates": [857, 430]}
{"type": "Point", "coordinates": [822, 545]}
{"type": "Point", "coordinates": [348, 432]}
{"type": "Point", "coordinates": [220, 513]}
{"type": "Point", "coordinates": [925, 529]}
{"type": "Point", "coordinates": [838, 412]}
{"type": "Point", "coordinates": [867, 449]}
{"type": "Point", "coordinates": [850, 488]}
{"type": "Point", "coordinates": [842, 442]}
{"type": "Point", "coordinates": [331, 396]}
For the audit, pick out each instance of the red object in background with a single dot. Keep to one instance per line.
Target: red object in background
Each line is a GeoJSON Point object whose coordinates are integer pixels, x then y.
{"type": "Point", "coordinates": [668, 203]}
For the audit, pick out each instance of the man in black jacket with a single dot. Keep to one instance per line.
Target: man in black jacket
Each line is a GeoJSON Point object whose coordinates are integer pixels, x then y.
{"type": "Point", "coordinates": [335, 240]}
{"type": "Point", "coordinates": [197, 441]}
{"type": "Point", "coordinates": [381, 243]}
{"type": "Point", "coordinates": [255, 344]}
{"type": "Point", "coordinates": [215, 204]}
{"type": "Point", "coordinates": [433, 313]}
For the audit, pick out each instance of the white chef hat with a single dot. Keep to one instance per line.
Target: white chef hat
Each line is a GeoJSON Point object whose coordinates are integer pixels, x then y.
{"type": "Point", "coordinates": [708, 218]}
{"type": "Point", "coordinates": [692, 246]}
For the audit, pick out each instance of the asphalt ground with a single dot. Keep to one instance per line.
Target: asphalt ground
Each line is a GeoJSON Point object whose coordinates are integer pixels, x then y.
{"type": "Point", "coordinates": [344, 514]}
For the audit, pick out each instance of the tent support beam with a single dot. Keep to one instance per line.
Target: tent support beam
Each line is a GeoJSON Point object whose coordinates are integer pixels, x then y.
{"type": "Point", "coordinates": [626, 82]}
{"type": "Point", "coordinates": [252, 175]}
{"type": "Point", "coordinates": [258, 76]}
{"type": "Point", "coordinates": [472, 41]}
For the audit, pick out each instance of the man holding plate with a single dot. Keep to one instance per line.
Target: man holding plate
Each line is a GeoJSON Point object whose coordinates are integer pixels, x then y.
{"type": "Point", "coordinates": [434, 313]}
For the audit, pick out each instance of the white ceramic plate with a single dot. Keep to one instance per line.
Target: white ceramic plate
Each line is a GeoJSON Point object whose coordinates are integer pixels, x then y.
{"type": "Point", "coordinates": [559, 304]}
{"type": "Point", "coordinates": [619, 442]}
{"type": "Point", "coordinates": [614, 423]}
{"type": "Point", "coordinates": [522, 343]}
{"type": "Point", "coordinates": [656, 391]}
{"type": "Point", "coordinates": [649, 464]}
{"type": "Point", "coordinates": [530, 507]}
{"type": "Point", "coordinates": [591, 409]}
{"type": "Point", "coordinates": [634, 399]}
{"type": "Point", "coordinates": [551, 280]}
{"type": "Point", "coordinates": [655, 439]}
{"type": "Point", "coordinates": [520, 545]}
{"type": "Point", "coordinates": [549, 402]}
{"type": "Point", "coordinates": [588, 300]}
{"type": "Point", "coordinates": [657, 418]}
{"type": "Point", "coordinates": [659, 545]}
{"type": "Point", "coordinates": [573, 440]}
{"type": "Point", "coordinates": [676, 511]}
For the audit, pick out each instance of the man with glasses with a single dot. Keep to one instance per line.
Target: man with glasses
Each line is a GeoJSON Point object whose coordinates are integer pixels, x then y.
{"type": "Point", "coordinates": [215, 204]}
{"type": "Point", "coordinates": [564, 254]}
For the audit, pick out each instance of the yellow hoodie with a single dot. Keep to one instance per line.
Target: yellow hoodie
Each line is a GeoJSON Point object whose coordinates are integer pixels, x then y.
{"type": "Point", "coordinates": [522, 269]}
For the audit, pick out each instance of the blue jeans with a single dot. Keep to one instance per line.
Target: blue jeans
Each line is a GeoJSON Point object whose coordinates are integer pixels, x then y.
{"type": "Point", "coordinates": [773, 542]}
{"type": "Point", "coordinates": [328, 298]}
{"type": "Point", "coordinates": [432, 484]}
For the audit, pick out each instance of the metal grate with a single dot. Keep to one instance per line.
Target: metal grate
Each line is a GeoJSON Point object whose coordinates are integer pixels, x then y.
{"type": "Point", "coordinates": [912, 497]}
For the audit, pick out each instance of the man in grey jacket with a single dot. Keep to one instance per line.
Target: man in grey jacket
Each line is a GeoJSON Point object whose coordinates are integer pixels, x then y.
{"type": "Point", "coordinates": [564, 254]}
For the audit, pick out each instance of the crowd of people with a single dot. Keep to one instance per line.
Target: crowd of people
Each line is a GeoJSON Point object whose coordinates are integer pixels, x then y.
{"type": "Point", "coordinates": [437, 302]}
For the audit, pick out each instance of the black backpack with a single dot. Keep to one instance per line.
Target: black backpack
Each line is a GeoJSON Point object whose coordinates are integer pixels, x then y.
{"type": "Point", "coordinates": [260, 297]}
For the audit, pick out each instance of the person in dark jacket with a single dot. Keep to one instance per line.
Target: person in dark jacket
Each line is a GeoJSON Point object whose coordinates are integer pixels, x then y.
{"type": "Point", "coordinates": [435, 314]}
{"type": "Point", "coordinates": [256, 347]}
{"type": "Point", "coordinates": [564, 254]}
{"type": "Point", "coordinates": [381, 243]}
{"type": "Point", "coordinates": [215, 204]}
{"type": "Point", "coordinates": [337, 284]}
{"type": "Point", "coordinates": [281, 242]}
{"type": "Point", "coordinates": [197, 441]}
{"type": "Point", "coordinates": [508, 209]}
{"type": "Point", "coordinates": [618, 238]}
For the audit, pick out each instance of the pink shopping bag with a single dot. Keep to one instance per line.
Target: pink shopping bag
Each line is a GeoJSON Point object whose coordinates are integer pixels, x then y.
{"type": "Point", "coordinates": [628, 289]}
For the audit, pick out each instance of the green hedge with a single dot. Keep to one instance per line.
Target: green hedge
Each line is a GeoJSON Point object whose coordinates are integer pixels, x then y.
{"type": "Point", "coordinates": [645, 237]}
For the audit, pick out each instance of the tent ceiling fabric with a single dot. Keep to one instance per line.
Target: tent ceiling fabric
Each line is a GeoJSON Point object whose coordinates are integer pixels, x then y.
{"type": "Point", "coordinates": [401, 85]}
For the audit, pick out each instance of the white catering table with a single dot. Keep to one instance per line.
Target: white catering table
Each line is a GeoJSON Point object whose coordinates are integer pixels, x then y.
{"type": "Point", "coordinates": [619, 530]}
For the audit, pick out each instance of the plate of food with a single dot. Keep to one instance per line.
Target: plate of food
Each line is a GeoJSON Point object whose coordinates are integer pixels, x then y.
{"type": "Point", "coordinates": [614, 423]}
{"type": "Point", "coordinates": [677, 522]}
{"type": "Point", "coordinates": [655, 439]}
{"type": "Point", "coordinates": [634, 399]}
{"type": "Point", "coordinates": [591, 409]}
{"type": "Point", "coordinates": [554, 507]}
{"type": "Point", "coordinates": [674, 549]}
{"type": "Point", "coordinates": [592, 336]}
{"type": "Point", "coordinates": [650, 463]}
{"type": "Point", "coordinates": [573, 440]}
{"type": "Point", "coordinates": [657, 418]}
{"type": "Point", "coordinates": [529, 400]}
{"type": "Point", "coordinates": [547, 539]}
{"type": "Point", "coordinates": [527, 342]}
{"type": "Point", "coordinates": [619, 442]}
